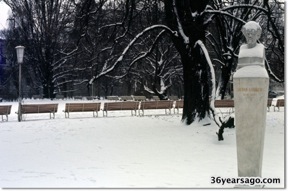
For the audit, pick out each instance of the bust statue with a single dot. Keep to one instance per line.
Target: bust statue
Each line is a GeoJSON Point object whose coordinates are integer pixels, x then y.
{"type": "Point", "coordinates": [251, 54]}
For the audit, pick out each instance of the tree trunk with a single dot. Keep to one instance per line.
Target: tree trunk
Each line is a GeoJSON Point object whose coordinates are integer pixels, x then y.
{"type": "Point", "coordinates": [48, 85]}
{"type": "Point", "coordinates": [196, 88]}
{"type": "Point", "coordinates": [225, 75]}
{"type": "Point", "coordinates": [185, 17]}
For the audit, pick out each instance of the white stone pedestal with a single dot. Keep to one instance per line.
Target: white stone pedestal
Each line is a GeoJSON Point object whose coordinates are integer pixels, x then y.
{"type": "Point", "coordinates": [250, 97]}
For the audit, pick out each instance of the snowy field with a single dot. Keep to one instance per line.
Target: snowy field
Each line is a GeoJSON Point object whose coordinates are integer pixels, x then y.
{"type": "Point", "coordinates": [121, 151]}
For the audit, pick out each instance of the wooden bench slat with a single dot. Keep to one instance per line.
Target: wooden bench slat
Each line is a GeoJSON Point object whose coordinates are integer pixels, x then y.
{"type": "Point", "coordinates": [5, 110]}
{"type": "Point", "coordinates": [124, 105]}
{"type": "Point", "coordinates": [82, 107]}
{"type": "Point", "coordinates": [224, 103]}
{"type": "Point", "coordinates": [161, 104]}
{"type": "Point", "coordinates": [279, 103]}
{"type": "Point", "coordinates": [39, 108]}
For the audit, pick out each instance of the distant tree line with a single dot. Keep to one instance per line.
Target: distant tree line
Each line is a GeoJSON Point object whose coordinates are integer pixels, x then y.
{"type": "Point", "coordinates": [156, 47]}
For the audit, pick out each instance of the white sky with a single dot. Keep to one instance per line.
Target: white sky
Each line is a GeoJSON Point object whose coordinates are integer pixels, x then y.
{"type": "Point", "coordinates": [4, 10]}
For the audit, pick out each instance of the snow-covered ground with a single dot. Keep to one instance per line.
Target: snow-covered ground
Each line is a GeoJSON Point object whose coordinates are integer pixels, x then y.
{"type": "Point", "coordinates": [121, 151]}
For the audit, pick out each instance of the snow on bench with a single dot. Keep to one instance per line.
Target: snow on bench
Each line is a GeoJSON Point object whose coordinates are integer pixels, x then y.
{"type": "Point", "coordinates": [5, 110]}
{"type": "Point", "coordinates": [113, 98]}
{"type": "Point", "coordinates": [126, 98]}
{"type": "Point", "coordinates": [82, 107]}
{"type": "Point", "coordinates": [139, 98]}
{"type": "Point", "coordinates": [155, 98]}
{"type": "Point", "coordinates": [162, 104]}
{"type": "Point", "coordinates": [123, 105]}
{"type": "Point", "coordinates": [39, 108]}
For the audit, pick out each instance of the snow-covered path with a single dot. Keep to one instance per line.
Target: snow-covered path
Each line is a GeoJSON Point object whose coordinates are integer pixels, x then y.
{"type": "Point", "coordinates": [125, 152]}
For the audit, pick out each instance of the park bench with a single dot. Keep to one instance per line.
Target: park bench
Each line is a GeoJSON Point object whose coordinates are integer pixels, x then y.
{"type": "Point", "coordinates": [279, 103]}
{"type": "Point", "coordinates": [113, 98]}
{"type": "Point", "coordinates": [91, 97]}
{"type": "Point", "coordinates": [161, 104]}
{"type": "Point", "coordinates": [224, 103]}
{"type": "Point", "coordinates": [123, 105]}
{"type": "Point", "coordinates": [155, 98]}
{"type": "Point", "coordinates": [218, 104]}
{"type": "Point", "coordinates": [82, 107]}
{"type": "Point", "coordinates": [139, 98]}
{"type": "Point", "coordinates": [37, 97]}
{"type": "Point", "coordinates": [78, 97]}
{"type": "Point", "coordinates": [5, 110]}
{"type": "Point", "coordinates": [59, 97]}
{"type": "Point", "coordinates": [178, 105]}
{"type": "Point", "coordinates": [173, 98]}
{"type": "Point", "coordinates": [39, 108]}
{"type": "Point", "coordinates": [126, 98]}
{"type": "Point", "coordinates": [269, 103]}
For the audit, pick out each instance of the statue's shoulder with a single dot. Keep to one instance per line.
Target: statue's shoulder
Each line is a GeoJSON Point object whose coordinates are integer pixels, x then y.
{"type": "Point", "coordinates": [260, 45]}
{"type": "Point", "coordinates": [243, 46]}
{"type": "Point", "coordinates": [256, 51]}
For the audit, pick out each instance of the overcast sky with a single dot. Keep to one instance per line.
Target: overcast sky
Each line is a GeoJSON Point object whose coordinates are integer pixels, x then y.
{"type": "Point", "coordinates": [4, 9]}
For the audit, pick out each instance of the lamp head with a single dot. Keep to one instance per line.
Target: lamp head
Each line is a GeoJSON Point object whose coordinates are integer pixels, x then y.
{"type": "Point", "coordinates": [20, 53]}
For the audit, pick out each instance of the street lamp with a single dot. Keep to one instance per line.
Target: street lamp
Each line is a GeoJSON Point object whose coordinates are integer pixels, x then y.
{"type": "Point", "coordinates": [20, 54]}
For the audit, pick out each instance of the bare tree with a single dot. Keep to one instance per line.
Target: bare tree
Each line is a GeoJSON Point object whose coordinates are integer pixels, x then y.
{"type": "Point", "coordinates": [228, 18]}
{"type": "Point", "coordinates": [41, 26]}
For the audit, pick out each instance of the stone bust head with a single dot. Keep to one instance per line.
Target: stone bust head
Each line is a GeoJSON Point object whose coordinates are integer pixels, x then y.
{"type": "Point", "coordinates": [252, 32]}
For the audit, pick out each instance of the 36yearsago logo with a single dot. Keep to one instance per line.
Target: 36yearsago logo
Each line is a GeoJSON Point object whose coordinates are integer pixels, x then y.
{"type": "Point", "coordinates": [247, 181]}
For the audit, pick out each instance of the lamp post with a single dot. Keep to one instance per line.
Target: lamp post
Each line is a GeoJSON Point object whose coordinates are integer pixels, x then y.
{"type": "Point", "coordinates": [20, 54]}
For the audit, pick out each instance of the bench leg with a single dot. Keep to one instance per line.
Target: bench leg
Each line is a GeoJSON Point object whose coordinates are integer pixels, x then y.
{"type": "Point", "coordinates": [94, 113]}
{"type": "Point", "coordinates": [168, 112]}
{"type": "Point", "coordinates": [53, 115]}
{"type": "Point", "coordinates": [6, 118]}
{"type": "Point", "coordinates": [133, 112]}
{"type": "Point", "coordinates": [104, 113]}
{"type": "Point", "coordinates": [177, 110]}
{"type": "Point", "coordinates": [141, 114]}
